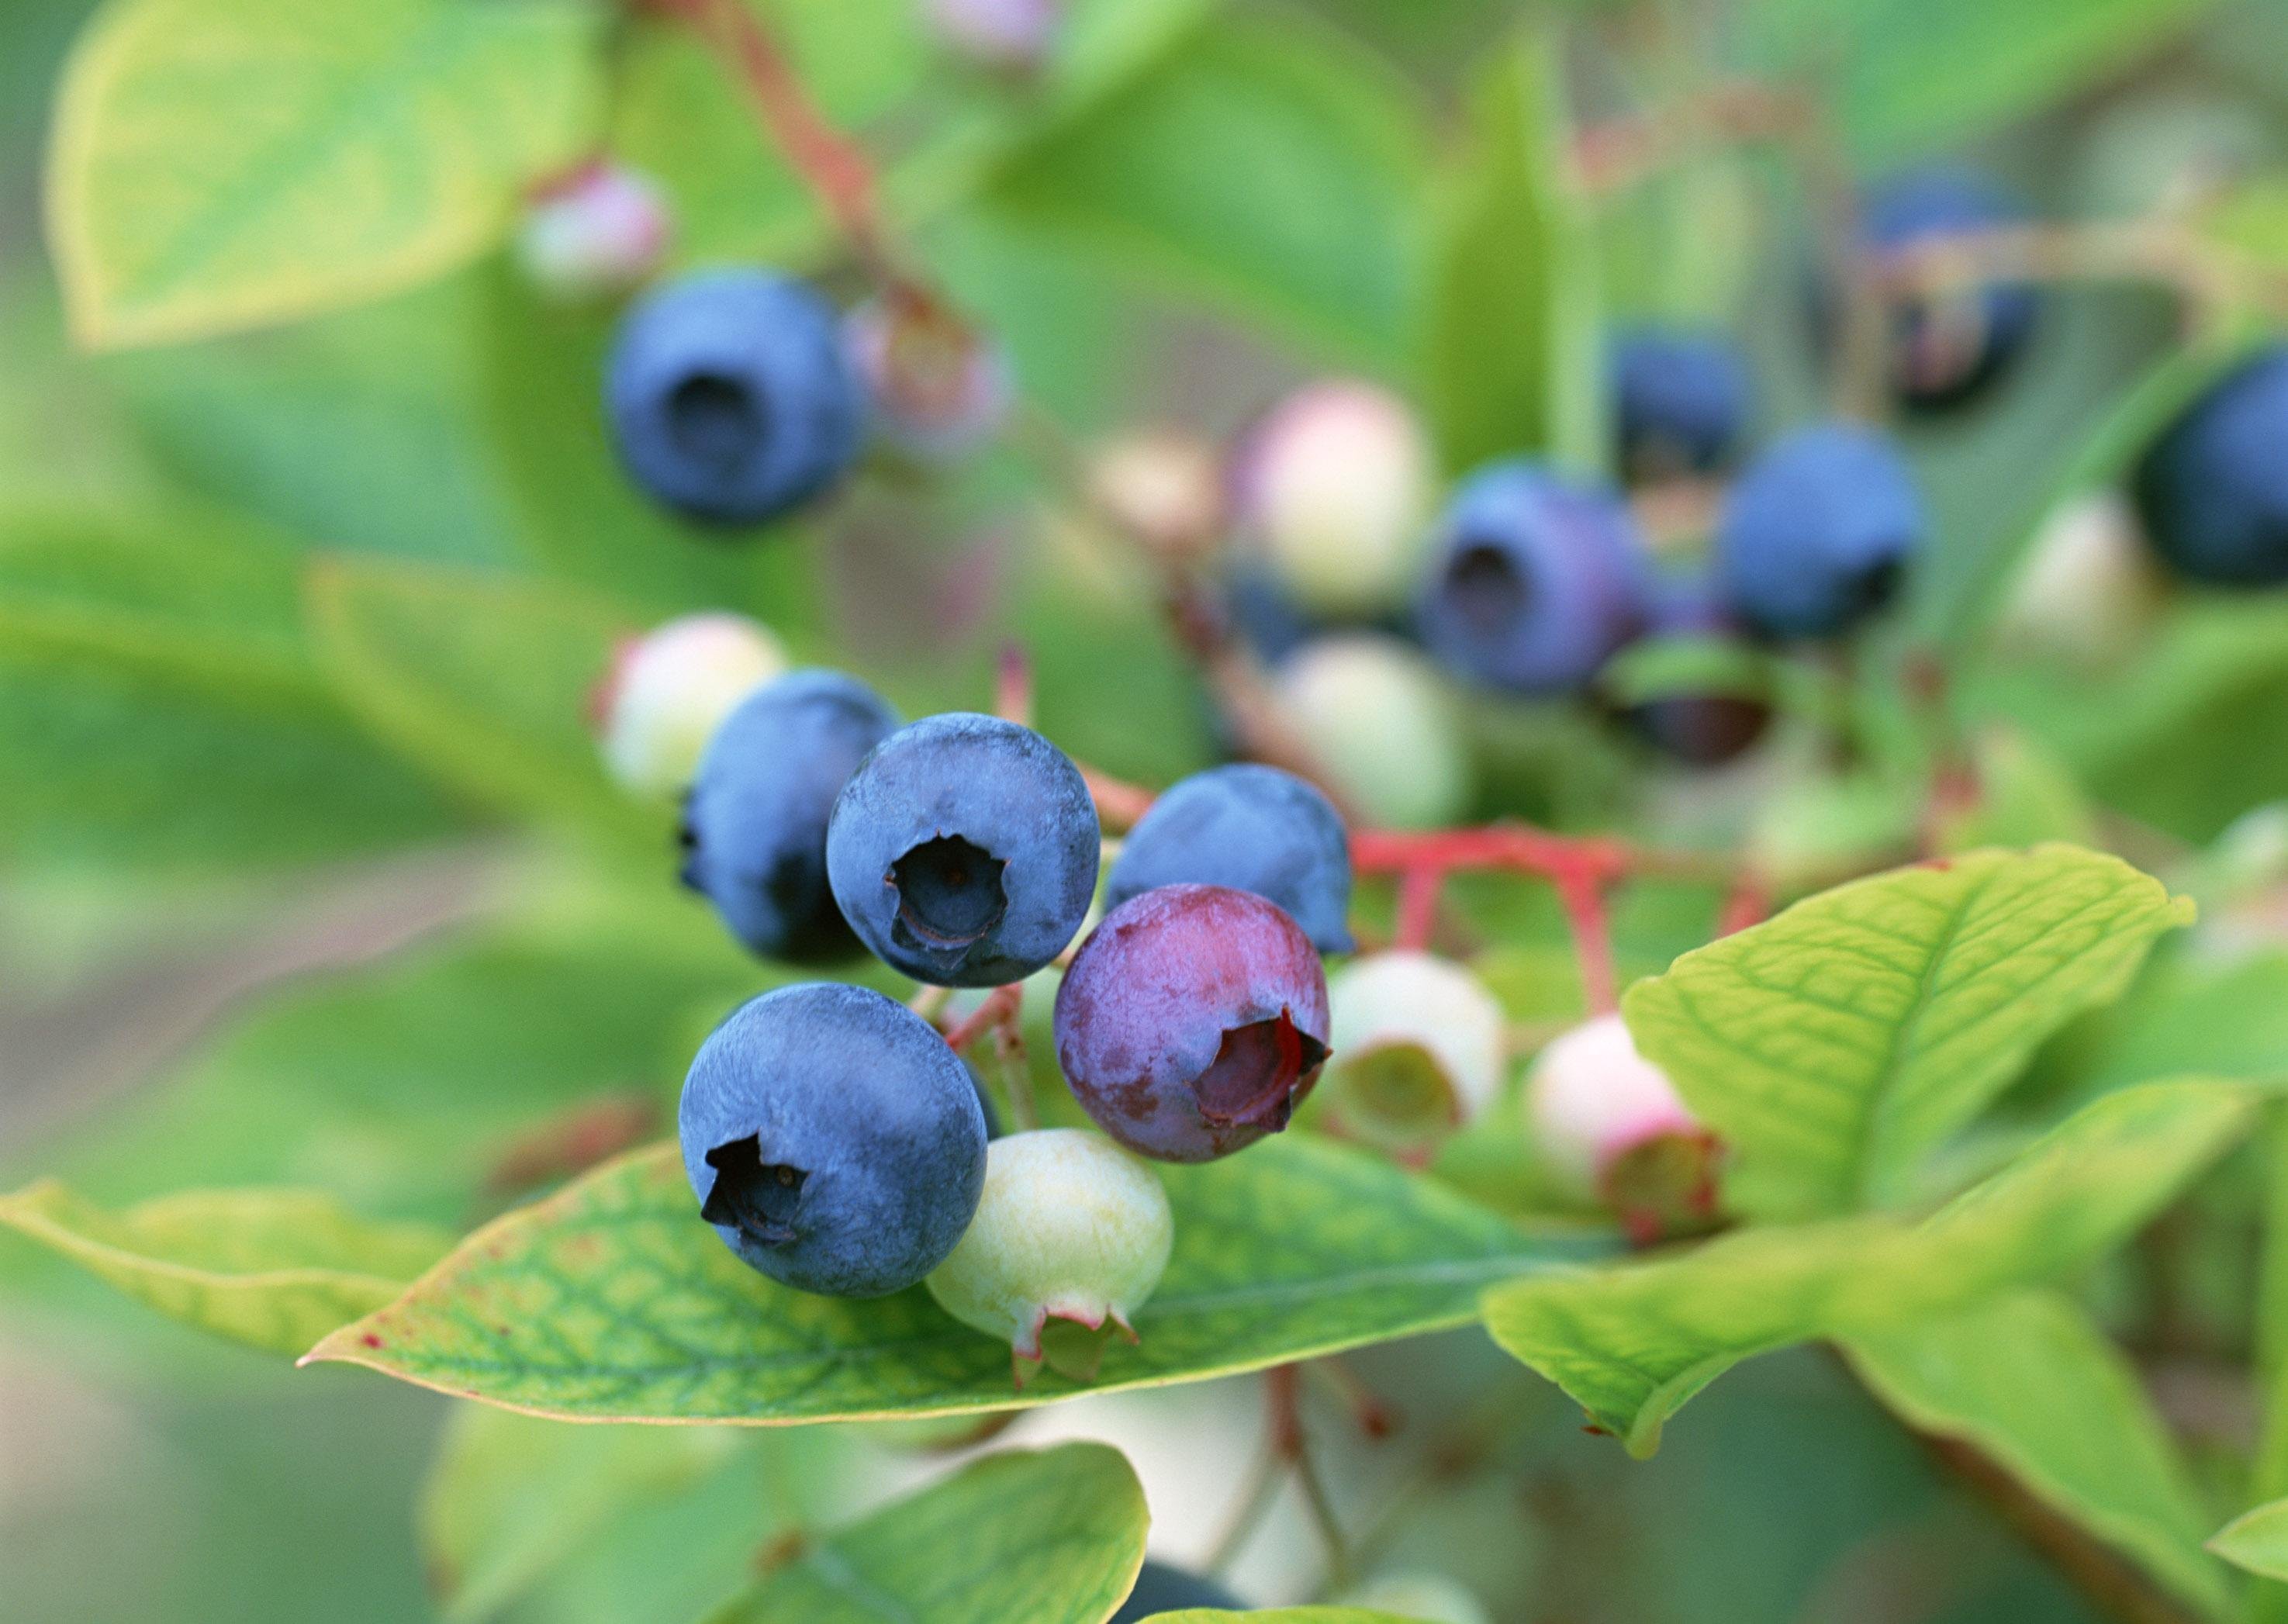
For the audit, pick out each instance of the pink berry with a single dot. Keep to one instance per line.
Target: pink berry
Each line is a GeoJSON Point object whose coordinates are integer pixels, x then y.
{"type": "Point", "coordinates": [1333, 489]}
{"type": "Point", "coordinates": [1007, 36]}
{"type": "Point", "coordinates": [1192, 1021]}
{"type": "Point", "coordinates": [1610, 1126]}
{"type": "Point", "coordinates": [939, 389]}
{"type": "Point", "coordinates": [602, 229]}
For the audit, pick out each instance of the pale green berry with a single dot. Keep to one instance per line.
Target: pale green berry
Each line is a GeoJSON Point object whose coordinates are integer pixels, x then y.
{"type": "Point", "coordinates": [1378, 717]}
{"type": "Point", "coordinates": [1417, 1594]}
{"type": "Point", "coordinates": [1418, 1048]}
{"type": "Point", "coordinates": [1333, 489]}
{"type": "Point", "coordinates": [2088, 587]}
{"type": "Point", "coordinates": [667, 690]}
{"type": "Point", "coordinates": [1071, 1228]}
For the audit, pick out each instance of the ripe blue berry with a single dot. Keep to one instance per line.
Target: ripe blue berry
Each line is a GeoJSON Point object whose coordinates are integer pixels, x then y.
{"type": "Point", "coordinates": [1253, 828]}
{"type": "Point", "coordinates": [754, 827]}
{"type": "Point", "coordinates": [1536, 582]}
{"type": "Point", "coordinates": [1818, 533]}
{"type": "Point", "coordinates": [1160, 1589]}
{"type": "Point", "coordinates": [833, 1140]}
{"type": "Point", "coordinates": [730, 397]}
{"type": "Point", "coordinates": [1679, 402]}
{"type": "Point", "coordinates": [2212, 491]}
{"type": "Point", "coordinates": [1702, 729]}
{"type": "Point", "coordinates": [963, 851]}
{"type": "Point", "coordinates": [1948, 349]}
{"type": "Point", "coordinates": [1193, 1021]}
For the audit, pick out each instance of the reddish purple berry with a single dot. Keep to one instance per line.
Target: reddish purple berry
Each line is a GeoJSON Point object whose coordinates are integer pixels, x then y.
{"type": "Point", "coordinates": [1192, 1021]}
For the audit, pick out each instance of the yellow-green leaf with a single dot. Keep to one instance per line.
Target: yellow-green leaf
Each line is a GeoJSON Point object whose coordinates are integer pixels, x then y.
{"type": "Point", "coordinates": [1633, 1344]}
{"type": "Point", "coordinates": [1278, 1615]}
{"type": "Point", "coordinates": [2030, 1381]}
{"type": "Point", "coordinates": [612, 1301]}
{"type": "Point", "coordinates": [1049, 1537]}
{"type": "Point", "coordinates": [1834, 1046]}
{"type": "Point", "coordinates": [274, 1269]}
{"type": "Point", "coordinates": [221, 163]}
{"type": "Point", "coordinates": [2257, 1541]}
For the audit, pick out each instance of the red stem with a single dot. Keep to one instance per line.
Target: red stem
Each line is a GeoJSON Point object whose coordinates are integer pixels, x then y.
{"type": "Point", "coordinates": [1013, 686]}
{"type": "Point", "coordinates": [1583, 896]}
{"type": "Point", "coordinates": [1418, 889]}
{"type": "Point", "coordinates": [1000, 1005]}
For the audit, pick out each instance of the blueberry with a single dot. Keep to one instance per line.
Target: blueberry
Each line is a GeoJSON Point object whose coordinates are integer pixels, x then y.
{"type": "Point", "coordinates": [1947, 350]}
{"type": "Point", "coordinates": [1679, 401]}
{"type": "Point", "coordinates": [963, 851]}
{"type": "Point", "coordinates": [833, 1140]}
{"type": "Point", "coordinates": [730, 397]}
{"type": "Point", "coordinates": [1818, 533]}
{"type": "Point", "coordinates": [1160, 1589]}
{"type": "Point", "coordinates": [1252, 828]}
{"type": "Point", "coordinates": [1536, 582]}
{"type": "Point", "coordinates": [1193, 1021]}
{"type": "Point", "coordinates": [2212, 491]}
{"type": "Point", "coordinates": [754, 827]}
{"type": "Point", "coordinates": [1705, 730]}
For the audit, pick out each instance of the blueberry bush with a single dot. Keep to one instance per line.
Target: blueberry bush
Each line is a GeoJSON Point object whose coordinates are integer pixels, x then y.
{"type": "Point", "coordinates": [821, 810]}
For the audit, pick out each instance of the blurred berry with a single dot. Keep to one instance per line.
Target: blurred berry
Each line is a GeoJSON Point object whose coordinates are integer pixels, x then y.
{"type": "Point", "coordinates": [1331, 492]}
{"type": "Point", "coordinates": [668, 690]}
{"type": "Point", "coordinates": [1418, 1595]}
{"type": "Point", "coordinates": [1006, 36]}
{"type": "Point", "coordinates": [1949, 348]}
{"type": "Point", "coordinates": [963, 851]}
{"type": "Point", "coordinates": [1417, 1044]}
{"type": "Point", "coordinates": [730, 398]}
{"type": "Point", "coordinates": [1071, 1228]}
{"type": "Point", "coordinates": [940, 391]}
{"type": "Point", "coordinates": [1817, 535]}
{"type": "Point", "coordinates": [1253, 828]}
{"type": "Point", "coordinates": [1375, 714]}
{"type": "Point", "coordinates": [1608, 1124]}
{"type": "Point", "coordinates": [2212, 491]}
{"type": "Point", "coordinates": [1192, 1019]}
{"type": "Point", "coordinates": [1679, 402]}
{"type": "Point", "coordinates": [1165, 487]}
{"type": "Point", "coordinates": [2168, 152]}
{"type": "Point", "coordinates": [1535, 582]}
{"type": "Point", "coordinates": [833, 1140]}
{"type": "Point", "coordinates": [1703, 730]}
{"type": "Point", "coordinates": [754, 826]}
{"type": "Point", "coordinates": [2088, 587]}
{"type": "Point", "coordinates": [599, 230]}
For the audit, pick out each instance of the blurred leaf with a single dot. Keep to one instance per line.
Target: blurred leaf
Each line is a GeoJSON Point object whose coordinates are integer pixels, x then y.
{"type": "Point", "coordinates": [1912, 74]}
{"type": "Point", "coordinates": [611, 1301]}
{"type": "Point", "coordinates": [1278, 1615]}
{"type": "Point", "coordinates": [1022, 1537]}
{"type": "Point", "coordinates": [511, 1497]}
{"type": "Point", "coordinates": [485, 679]}
{"type": "Point", "coordinates": [1270, 164]}
{"type": "Point", "coordinates": [157, 705]}
{"type": "Point", "coordinates": [407, 1085]}
{"type": "Point", "coordinates": [1836, 1045]}
{"type": "Point", "coordinates": [2257, 1541]}
{"type": "Point", "coordinates": [222, 163]}
{"type": "Point", "coordinates": [273, 1269]}
{"type": "Point", "coordinates": [1633, 1344]}
{"type": "Point", "coordinates": [2027, 1380]}
{"type": "Point", "coordinates": [1513, 361]}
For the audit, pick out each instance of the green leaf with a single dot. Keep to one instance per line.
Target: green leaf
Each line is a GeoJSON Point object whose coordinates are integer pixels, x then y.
{"type": "Point", "coordinates": [158, 705]}
{"type": "Point", "coordinates": [1916, 74]}
{"type": "Point", "coordinates": [484, 678]}
{"type": "Point", "coordinates": [1836, 1044]}
{"type": "Point", "coordinates": [273, 1269]}
{"type": "Point", "coordinates": [1270, 164]}
{"type": "Point", "coordinates": [611, 1301]}
{"type": "Point", "coordinates": [511, 1497]}
{"type": "Point", "coordinates": [1049, 1537]}
{"type": "Point", "coordinates": [2257, 1541]}
{"type": "Point", "coordinates": [1278, 1615]}
{"type": "Point", "coordinates": [1511, 361]}
{"type": "Point", "coordinates": [1633, 1344]}
{"type": "Point", "coordinates": [2027, 1381]}
{"type": "Point", "coordinates": [222, 163]}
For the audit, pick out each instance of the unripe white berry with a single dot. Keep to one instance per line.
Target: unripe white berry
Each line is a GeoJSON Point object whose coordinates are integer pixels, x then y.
{"type": "Point", "coordinates": [1071, 1228]}
{"type": "Point", "coordinates": [1379, 718]}
{"type": "Point", "coordinates": [667, 690]}
{"type": "Point", "coordinates": [1009, 36]}
{"type": "Point", "coordinates": [1590, 1099]}
{"type": "Point", "coordinates": [1418, 1048]}
{"type": "Point", "coordinates": [601, 230]}
{"type": "Point", "coordinates": [1162, 486]}
{"type": "Point", "coordinates": [2088, 586]}
{"type": "Point", "coordinates": [1333, 491]}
